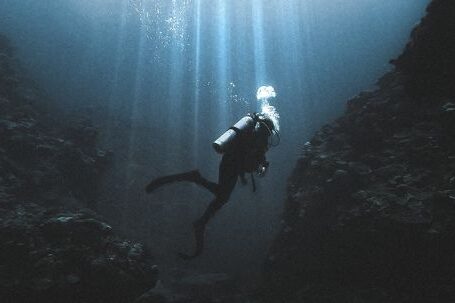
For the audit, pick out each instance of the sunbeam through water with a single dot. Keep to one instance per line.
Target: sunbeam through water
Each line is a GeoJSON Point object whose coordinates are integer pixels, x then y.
{"type": "Point", "coordinates": [163, 78]}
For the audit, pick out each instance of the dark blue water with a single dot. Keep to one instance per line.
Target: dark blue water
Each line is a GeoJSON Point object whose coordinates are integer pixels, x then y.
{"type": "Point", "coordinates": [162, 79]}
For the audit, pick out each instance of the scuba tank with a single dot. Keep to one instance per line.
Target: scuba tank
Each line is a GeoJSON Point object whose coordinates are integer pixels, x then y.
{"type": "Point", "coordinates": [228, 140]}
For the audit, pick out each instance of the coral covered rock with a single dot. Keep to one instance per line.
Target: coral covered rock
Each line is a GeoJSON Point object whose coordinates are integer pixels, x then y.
{"type": "Point", "coordinates": [370, 212]}
{"type": "Point", "coordinates": [54, 249]}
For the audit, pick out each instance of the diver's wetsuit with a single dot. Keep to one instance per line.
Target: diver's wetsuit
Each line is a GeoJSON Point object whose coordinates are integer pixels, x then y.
{"type": "Point", "coordinates": [248, 154]}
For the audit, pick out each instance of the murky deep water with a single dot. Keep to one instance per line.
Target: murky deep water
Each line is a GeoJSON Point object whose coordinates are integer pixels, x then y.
{"type": "Point", "coordinates": [164, 78]}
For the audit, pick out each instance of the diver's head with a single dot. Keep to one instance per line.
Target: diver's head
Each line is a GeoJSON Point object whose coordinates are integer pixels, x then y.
{"type": "Point", "coordinates": [268, 123]}
{"type": "Point", "coordinates": [269, 127]}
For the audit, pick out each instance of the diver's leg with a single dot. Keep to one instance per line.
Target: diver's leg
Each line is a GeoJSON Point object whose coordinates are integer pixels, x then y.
{"type": "Point", "coordinates": [191, 176]}
{"type": "Point", "coordinates": [158, 182]}
{"type": "Point", "coordinates": [199, 227]}
{"type": "Point", "coordinates": [209, 212]}
{"type": "Point", "coordinates": [210, 186]}
{"type": "Point", "coordinates": [229, 178]}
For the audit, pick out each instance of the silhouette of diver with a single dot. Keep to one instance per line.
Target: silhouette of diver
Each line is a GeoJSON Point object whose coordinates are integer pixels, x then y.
{"type": "Point", "coordinates": [243, 147]}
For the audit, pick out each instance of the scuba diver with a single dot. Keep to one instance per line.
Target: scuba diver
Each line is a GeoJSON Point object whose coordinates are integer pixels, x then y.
{"type": "Point", "coordinates": [243, 147]}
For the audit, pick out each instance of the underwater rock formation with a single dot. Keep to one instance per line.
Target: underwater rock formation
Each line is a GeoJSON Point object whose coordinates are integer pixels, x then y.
{"type": "Point", "coordinates": [429, 58]}
{"type": "Point", "coordinates": [370, 212]}
{"type": "Point", "coordinates": [40, 157]}
{"type": "Point", "coordinates": [53, 248]}
{"type": "Point", "coordinates": [51, 256]}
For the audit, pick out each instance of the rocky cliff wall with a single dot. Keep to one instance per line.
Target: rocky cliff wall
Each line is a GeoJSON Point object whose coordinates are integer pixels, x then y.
{"type": "Point", "coordinates": [53, 248]}
{"type": "Point", "coordinates": [428, 60]}
{"type": "Point", "coordinates": [370, 212]}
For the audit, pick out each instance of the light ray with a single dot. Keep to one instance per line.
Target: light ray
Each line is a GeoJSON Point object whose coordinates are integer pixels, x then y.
{"type": "Point", "coordinates": [114, 89]}
{"type": "Point", "coordinates": [260, 69]}
{"type": "Point", "coordinates": [196, 84]}
{"type": "Point", "coordinates": [223, 62]}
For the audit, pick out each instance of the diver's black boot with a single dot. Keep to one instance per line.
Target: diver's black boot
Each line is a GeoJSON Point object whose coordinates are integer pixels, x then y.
{"type": "Point", "coordinates": [199, 231]}
{"type": "Point", "coordinates": [192, 176]}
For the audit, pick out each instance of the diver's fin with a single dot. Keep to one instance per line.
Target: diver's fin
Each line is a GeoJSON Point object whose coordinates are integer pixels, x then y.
{"type": "Point", "coordinates": [191, 176]}
{"type": "Point", "coordinates": [199, 230]}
